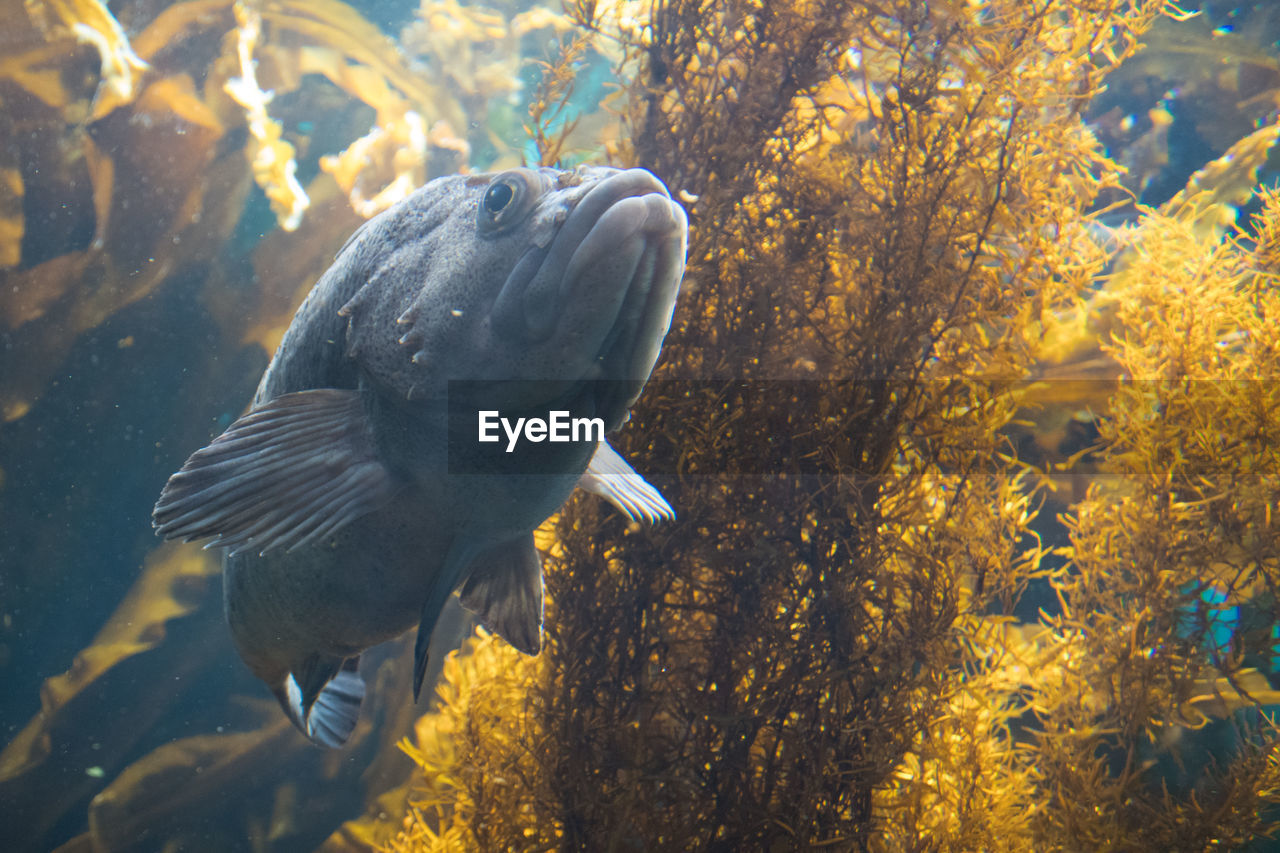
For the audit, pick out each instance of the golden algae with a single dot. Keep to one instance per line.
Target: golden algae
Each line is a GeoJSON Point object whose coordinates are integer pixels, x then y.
{"type": "Point", "coordinates": [129, 649]}
{"type": "Point", "coordinates": [90, 22]}
{"type": "Point", "coordinates": [174, 789]}
{"type": "Point", "coordinates": [466, 734]}
{"type": "Point", "coordinates": [1169, 554]}
{"type": "Point", "coordinates": [285, 790]}
{"type": "Point", "coordinates": [144, 135]}
{"type": "Point", "coordinates": [153, 152]}
{"type": "Point", "coordinates": [126, 226]}
{"type": "Point", "coordinates": [49, 304]}
{"type": "Point", "coordinates": [1075, 372]}
{"type": "Point", "coordinates": [11, 223]}
{"type": "Point", "coordinates": [178, 778]}
{"type": "Point", "coordinates": [271, 156]}
{"type": "Point", "coordinates": [887, 209]}
{"type": "Point", "coordinates": [1227, 67]}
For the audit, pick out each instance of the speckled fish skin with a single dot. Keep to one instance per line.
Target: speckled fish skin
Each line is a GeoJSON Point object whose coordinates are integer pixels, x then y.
{"type": "Point", "coordinates": [534, 281]}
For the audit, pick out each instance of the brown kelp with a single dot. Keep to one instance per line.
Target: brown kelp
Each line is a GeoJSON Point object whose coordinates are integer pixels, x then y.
{"type": "Point", "coordinates": [153, 155]}
{"type": "Point", "coordinates": [827, 651]}
{"type": "Point", "coordinates": [146, 132]}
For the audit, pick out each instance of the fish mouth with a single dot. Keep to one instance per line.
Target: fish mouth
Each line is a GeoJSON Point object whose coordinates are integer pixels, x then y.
{"type": "Point", "coordinates": [603, 292]}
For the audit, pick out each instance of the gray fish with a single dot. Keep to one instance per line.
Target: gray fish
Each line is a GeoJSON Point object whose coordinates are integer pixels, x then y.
{"type": "Point", "coordinates": [354, 497]}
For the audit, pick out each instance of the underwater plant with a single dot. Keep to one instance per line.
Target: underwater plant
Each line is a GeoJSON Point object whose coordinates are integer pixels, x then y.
{"type": "Point", "coordinates": [974, 488]}
{"type": "Point", "coordinates": [1168, 621]}
{"type": "Point", "coordinates": [158, 128]}
{"type": "Point", "coordinates": [1213, 78]}
{"type": "Point", "coordinates": [144, 274]}
{"type": "Point", "coordinates": [831, 648]}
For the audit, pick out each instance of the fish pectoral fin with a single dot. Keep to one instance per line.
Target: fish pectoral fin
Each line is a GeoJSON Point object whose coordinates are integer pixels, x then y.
{"type": "Point", "coordinates": [290, 472]}
{"type": "Point", "coordinates": [505, 590]}
{"type": "Point", "coordinates": [610, 477]}
{"type": "Point", "coordinates": [324, 698]}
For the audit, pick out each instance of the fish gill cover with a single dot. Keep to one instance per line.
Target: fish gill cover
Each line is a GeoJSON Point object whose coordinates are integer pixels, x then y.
{"type": "Point", "coordinates": [925, 592]}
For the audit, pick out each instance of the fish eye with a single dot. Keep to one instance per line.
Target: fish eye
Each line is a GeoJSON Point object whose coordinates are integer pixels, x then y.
{"type": "Point", "coordinates": [508, 198]}
{"type": "Point", "coordinates": [498, 196]}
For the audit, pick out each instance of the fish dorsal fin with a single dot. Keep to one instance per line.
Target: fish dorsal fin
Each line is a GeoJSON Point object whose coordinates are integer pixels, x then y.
{"type": "Point", "coordinates": [504, 589]}
{"type": "Point", "coordinates": [610, 477]}
{"type": "Point", "coordinates": [295, 469]}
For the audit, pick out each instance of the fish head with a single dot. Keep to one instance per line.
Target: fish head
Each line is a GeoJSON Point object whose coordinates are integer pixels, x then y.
{"type": "Point", "coordinates": [542, 284]}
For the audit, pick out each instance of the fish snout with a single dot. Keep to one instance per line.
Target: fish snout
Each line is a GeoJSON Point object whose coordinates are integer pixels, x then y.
{"type": "Point", "coordinates": [600, 253]}
{"type": "Point", "coordinates": [619, 290]}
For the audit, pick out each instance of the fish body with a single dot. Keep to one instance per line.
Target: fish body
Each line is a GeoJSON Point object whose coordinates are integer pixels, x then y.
{"type": "Point", "coordinates": [353, 498]}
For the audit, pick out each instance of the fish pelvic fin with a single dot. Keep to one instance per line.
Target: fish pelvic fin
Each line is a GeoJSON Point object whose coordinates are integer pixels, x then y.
{"type": "Point", "coordinates": [609, 476]}
{"type": "Point", "coordinates": [504, 589]}
{"type": "Point", "coordinates": [324, 700]}
{"type": "Point", "coordinates": [290, 472]}
{"type": "Point", "coordinates": [461, 552]}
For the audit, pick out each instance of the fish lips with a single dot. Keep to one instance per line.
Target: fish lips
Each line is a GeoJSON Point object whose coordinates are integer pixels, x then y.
{"type": "Point", "coordinates": [599, 299]}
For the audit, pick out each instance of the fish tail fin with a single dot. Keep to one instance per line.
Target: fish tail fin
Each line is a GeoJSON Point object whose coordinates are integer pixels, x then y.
{"type": "Point", "coordinates": [324, 702]}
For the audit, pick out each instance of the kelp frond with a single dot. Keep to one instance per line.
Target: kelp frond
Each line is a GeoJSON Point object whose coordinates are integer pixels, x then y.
{"type": "Point", "coordinates": [202, 78]}
{"type": "Point", "coordinates": [90, 22]}
{"type": "Point", "coordinates": [271, 156]}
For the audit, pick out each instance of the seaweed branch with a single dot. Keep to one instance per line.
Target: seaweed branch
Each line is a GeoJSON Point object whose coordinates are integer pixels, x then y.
{"type": "Point", "coordinates": [548, 124]}
{"type": "Point", "coordinates": [274, 167]}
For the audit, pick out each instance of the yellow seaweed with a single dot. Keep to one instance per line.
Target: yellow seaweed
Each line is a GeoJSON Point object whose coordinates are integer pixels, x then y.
{"type": "Point", "coordinates": [36, 72]}
{"type": "Point", "coordinates": [90, 22]}
{"type": "Point", "coordinates": [12, 222]}
{"type": "Point", "coordinates": [192, 197]}
{"type": "Point", "coordinates": [168, 596]}
{"type": "Point", "coordinates": [414, 136]}
{"type": "Point", "coordinates": [420, 131]}
{"type": "Point", "coordinates": [476, 47]}
{"type": "Point", "coordinates": [1232, 70]}
{"type": "Point", "coordinates": [40, 288]}
{"type": "Point", "coordinates": [334, 24]}
{"type": "Point", "coordinates": [1174, 537]}
{"type": "Point", "coordinates": [468, 731]}
{"type": "Point", "coordinates": [179, 777]}
{"type": "Point", "coordinates": [1213, 195]}
{"type": "Point", "coordinates": [179, 21]}
{"type": "Point", "coordinates": [163, 594]}
{"type": "Point", "coordinates": [1075, 340]}
{"type": "Point", "coordinates": [911, 215]}
{"type": "Point", "coordinates": [270, 156]}
{"type": "Point", "coordinates": [397, 147]}
{"type": "Point", "coordinates": [1221, 696]}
